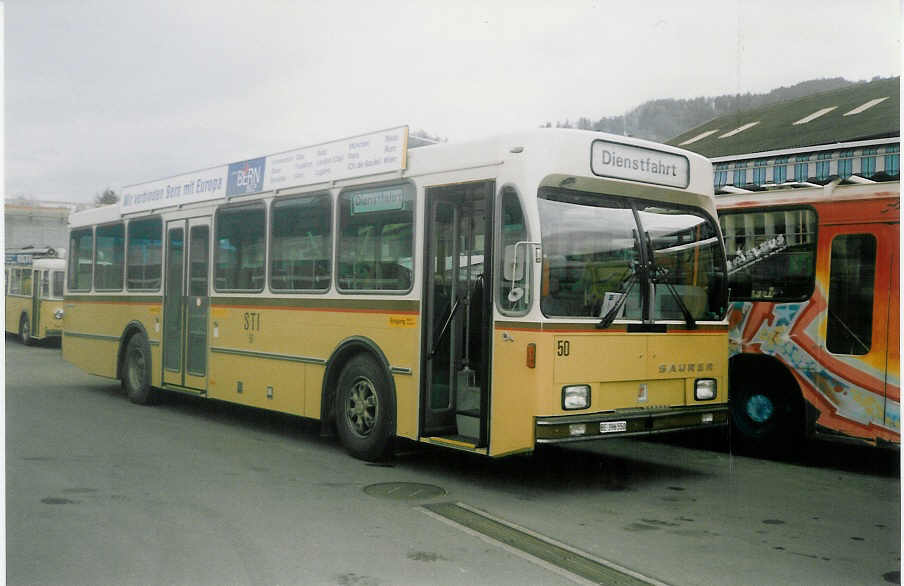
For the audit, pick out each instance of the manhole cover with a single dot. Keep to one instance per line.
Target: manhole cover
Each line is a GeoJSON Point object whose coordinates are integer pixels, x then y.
{"type": "Point", "coordinates": [404, 491]}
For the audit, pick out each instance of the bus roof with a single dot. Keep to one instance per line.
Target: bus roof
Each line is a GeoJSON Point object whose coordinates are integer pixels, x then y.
{"type": "Point", "coordinates": [818, 195]}
{"type": "Point", "coordinates": [563, 151]}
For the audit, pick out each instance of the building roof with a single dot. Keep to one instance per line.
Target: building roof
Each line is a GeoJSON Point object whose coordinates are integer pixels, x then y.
{"type": "Point", "coordinates": [858, 112]}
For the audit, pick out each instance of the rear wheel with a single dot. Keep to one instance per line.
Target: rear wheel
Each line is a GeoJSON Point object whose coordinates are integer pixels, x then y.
{"type": "Point", "coordinates": [365, 409]}
{"type": "Point", "coordinates": [136, 373]}
{"type": "Point", "coordinates": [25, 331]}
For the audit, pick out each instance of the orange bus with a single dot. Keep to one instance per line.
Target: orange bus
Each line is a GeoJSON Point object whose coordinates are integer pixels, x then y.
{"type": "Point", "coordinates": [813, 274]}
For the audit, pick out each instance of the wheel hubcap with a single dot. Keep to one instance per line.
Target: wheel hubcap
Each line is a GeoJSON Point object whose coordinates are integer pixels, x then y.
{"type": "Point", "coordinates": [362, 407]}
{"type": "Point", "coordinates": [136, 369]}
{"type": "Point", "coordinates": [760, 408]}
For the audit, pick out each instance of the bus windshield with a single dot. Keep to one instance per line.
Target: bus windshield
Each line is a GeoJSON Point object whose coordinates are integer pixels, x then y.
{"type": "Point", "coordinates": [594, 255]}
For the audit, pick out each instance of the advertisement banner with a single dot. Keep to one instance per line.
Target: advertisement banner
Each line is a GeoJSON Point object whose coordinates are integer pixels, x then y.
{"type": "Point", "coordinates": [190, 187]}
{"type": "Point", "coordinates": [357, 156]}
{"type": "Point", "coordinates": [367, 154]}
{"type": "Point", "coordinates": [246, 177]}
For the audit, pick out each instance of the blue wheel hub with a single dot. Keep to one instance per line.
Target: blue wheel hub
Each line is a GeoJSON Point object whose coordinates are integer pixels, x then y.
{"type": "Point", "coordinates": [760, 408]}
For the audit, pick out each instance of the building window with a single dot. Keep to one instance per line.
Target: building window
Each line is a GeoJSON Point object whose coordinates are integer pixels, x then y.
{"type": "Point", "coordinates": [846, 164]}
{"type": "Point", "coordinates": [801, 168]}
{"type": "Point", "coordinates": [851, 283]}
{"type": "Point", "coordinates": [720, 177]}
{"type": "Point", "coordinates": [868, 162]}
{"type": "Point", "coordinates": [240, 248]}
{"type": "Point", "coordinates": [823, 162]}
{"type": "Point", "coordinates": [759, 172]}
{"type": "Point", "coordinates": [301, 243]}
{"type": "Point", "coordinates": [892, 160]}
{"type": "Point", "coordinates": [108, 260]}
{"type": "Point", "coordinates": [144, 254]}
{"type": "Point", "coordinates": [375, 245]}
{"type": "Point", "coordinates": [81, 257]}
{"type": "Point", "coordinates": [740, 174]}
{"type": "Point", "coordinates": [780, 170]}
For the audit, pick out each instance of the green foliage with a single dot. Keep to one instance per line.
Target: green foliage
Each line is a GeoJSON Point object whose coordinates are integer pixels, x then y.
{"type": "Point", "coordinates": [663, 119]}
{"type": "Point", "coordinates": [108, 197]}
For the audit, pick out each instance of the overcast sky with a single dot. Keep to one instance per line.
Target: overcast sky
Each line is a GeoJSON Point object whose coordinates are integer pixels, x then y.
{"type": "Point", "coordinates": [110, 93]}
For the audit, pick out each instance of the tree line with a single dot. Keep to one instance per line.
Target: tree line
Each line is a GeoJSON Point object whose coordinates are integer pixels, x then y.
{"type": "Point", "coordinates": [663, 119]}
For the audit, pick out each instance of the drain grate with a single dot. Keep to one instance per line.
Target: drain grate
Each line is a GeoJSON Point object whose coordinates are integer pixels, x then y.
{"type": "Point", "coordinates": [404, 491]}
{"type": "Point", "coordinates": [544, 551]}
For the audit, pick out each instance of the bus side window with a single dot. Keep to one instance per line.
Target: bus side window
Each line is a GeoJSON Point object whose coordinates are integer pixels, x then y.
{"type": "Point", "coordinates": [301, 243]}
{"type": "Point", "coordinates": [58, 284]}
{"type": "Point", "coordinates": [144, 251]}
{"type": "Point", "coordinates": [26, 282]}
{"type": "Point", "coordinates": [513, 295]}
{"type": "Point", "coordinates": [108, 261]}
{"type": "Point", "coordinates": [45, 284]}
{"type": "Point", "coordinates": [240, 248]}
{"type": "Point", "coordinates": [81, 259]}
{"type": "Point", "coordinates": [376, 239]}
{"type": "Point", "coordinates": [851, 282]}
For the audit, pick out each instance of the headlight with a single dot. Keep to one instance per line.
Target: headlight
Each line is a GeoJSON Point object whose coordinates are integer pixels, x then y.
{"type": "Point", "coordinates": [58, 314]}
{"type": "Point", "coordinates": [575, 397]}
{"type": "Point", "coordinates": [705, 389]}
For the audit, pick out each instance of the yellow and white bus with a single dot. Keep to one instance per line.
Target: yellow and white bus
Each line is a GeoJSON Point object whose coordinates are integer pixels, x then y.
{"type": "Point", "coordinates": [542, 287]}
{"type": "Point", "coordinates": [34, 293]}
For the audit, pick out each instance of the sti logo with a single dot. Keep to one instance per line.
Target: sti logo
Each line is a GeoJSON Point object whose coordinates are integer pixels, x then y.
{"type": "Point", "coordinates": [246, 177]}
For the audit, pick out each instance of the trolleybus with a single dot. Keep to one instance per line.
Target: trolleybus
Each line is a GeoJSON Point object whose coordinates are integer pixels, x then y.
{"type": "Point", "coordinates": [34, 293]}
{"type": "Point", "coordinates": [541, 287]}
{"type": "Point", "coordinates": [814, 282]}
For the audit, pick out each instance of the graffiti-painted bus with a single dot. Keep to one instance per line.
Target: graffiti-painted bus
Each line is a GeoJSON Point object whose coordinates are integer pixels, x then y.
{"type": "Point", "coordinates": [814, 313]}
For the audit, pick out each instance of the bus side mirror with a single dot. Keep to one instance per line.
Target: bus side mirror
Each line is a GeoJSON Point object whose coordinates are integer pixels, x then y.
{"type": "Point", "coordinates": [513, 263]}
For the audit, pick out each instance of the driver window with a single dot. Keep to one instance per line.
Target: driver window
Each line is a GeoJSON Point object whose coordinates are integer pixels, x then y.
{"type": "Point", "coordinates": [513, 295]}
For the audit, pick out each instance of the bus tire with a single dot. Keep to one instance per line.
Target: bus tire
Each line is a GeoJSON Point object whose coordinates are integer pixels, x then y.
{"type": "Point", "coordinates": [365, 409]}
{"type": "Point", "coordinates": [766, 416]}
{"type": "Point", "coordinates": [25, 331]}
{"type": "Point", "coordinates": [136, 371]}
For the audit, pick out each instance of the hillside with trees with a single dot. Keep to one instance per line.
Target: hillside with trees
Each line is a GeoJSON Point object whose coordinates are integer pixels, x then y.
{"type": "Point", "coordinates": [660, 120]}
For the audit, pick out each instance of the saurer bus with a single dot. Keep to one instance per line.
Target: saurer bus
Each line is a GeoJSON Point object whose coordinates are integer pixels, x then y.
{"type": "Point", "coordinates": [540, 287]}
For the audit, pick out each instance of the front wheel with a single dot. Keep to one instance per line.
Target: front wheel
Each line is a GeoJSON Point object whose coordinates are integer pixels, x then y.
{"type": "Point", "coordinates": [766, 415]}
{"type": "Point", "coordinates": [365, 409]}
{"type": "Point", "coordinates": [25, 331]}
{"type": "Point", "coordinates": [136, 375]}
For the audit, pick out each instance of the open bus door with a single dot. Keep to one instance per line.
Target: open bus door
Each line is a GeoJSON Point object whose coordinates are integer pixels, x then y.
{"type": "Point", "coordinates": [457, 314]}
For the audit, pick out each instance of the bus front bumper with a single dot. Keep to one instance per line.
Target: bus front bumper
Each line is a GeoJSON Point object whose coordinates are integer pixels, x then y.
{"type": "Point", "coordinates": [628, 422]}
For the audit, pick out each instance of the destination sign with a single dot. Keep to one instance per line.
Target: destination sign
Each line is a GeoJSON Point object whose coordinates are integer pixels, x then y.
{"type": "Point", "coordinates": [621, 161]}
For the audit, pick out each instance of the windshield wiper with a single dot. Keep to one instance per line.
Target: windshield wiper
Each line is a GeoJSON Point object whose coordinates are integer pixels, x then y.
{"type": "Point", "coordinates": [658, 277]}
{"type": "Point", "coordinates": [613, 311]}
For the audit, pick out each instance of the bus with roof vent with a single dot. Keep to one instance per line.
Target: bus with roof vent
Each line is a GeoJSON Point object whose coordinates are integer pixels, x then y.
{"type": "Point", "coordinates": [539, 287]}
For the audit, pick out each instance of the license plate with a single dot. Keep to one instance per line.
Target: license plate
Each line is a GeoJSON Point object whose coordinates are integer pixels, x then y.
{"type": "Point", "coordinates": [613, 426]}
